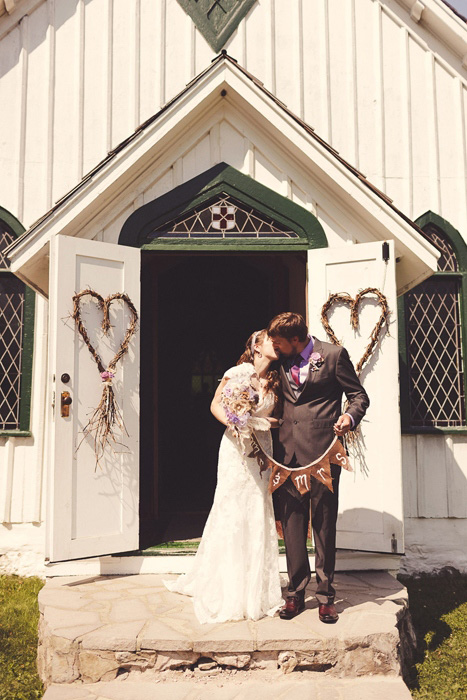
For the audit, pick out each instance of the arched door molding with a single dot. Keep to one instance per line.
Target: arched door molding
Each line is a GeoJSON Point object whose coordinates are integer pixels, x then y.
{"type": "Point", "coordinates": [279, 223]}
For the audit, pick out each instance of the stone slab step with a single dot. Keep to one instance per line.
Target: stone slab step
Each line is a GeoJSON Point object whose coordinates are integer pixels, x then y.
{"type": "Point", "coordinates": [97, 628]}
{"type": "Point", "coordinates": [273, 688]}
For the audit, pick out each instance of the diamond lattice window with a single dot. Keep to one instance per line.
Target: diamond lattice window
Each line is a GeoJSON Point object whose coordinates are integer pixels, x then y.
{"type": "Point", "coordinates": [223, 217]}
{"type": "Point", "coordinates": [434, 345]}
{"type": "Point", "coordinates": [12, 299]}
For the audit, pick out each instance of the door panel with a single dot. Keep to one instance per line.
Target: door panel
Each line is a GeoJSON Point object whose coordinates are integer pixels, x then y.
{"type": "Point", "coordinates": [93, 510]}
{"type": "Point", "coordinates": [370, 515]}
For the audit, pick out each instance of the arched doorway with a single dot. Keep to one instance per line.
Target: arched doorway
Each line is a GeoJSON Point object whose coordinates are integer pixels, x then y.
{"type": "Point", "coordinates": [221, 255]}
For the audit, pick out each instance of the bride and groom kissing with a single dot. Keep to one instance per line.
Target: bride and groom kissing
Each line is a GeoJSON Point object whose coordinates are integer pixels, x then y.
{"type": "Point", "coordinates": [295, 384]}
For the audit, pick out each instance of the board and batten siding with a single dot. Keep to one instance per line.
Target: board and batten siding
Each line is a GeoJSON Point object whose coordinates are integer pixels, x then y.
{"type": "Point", "coordinates": [79, 76]}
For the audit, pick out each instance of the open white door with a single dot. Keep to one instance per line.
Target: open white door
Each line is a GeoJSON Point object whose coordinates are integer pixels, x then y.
{"type": "Point", "coordinates": [370, 498]}
{"type": "Point", "coordinates": [92, 511]}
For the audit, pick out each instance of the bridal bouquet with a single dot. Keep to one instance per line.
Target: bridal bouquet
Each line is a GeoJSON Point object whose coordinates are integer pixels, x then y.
{"type": "Point", "coordinates": [239, 400]}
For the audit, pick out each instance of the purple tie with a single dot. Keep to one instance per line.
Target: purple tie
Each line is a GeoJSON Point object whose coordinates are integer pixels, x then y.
{"type": "Point", "coordinates": [295, 370]}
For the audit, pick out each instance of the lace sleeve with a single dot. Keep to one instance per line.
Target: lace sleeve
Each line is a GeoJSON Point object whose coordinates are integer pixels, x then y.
{"type": "Point", "coordinates": [243, 371]}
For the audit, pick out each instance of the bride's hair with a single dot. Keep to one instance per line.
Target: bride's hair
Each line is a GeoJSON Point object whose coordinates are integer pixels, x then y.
{"type": "Point", "coordinates": [274, 382]}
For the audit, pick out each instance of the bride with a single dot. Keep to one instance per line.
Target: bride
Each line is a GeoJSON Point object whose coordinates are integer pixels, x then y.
{"type": "Point", "coordinates": [235, 573]}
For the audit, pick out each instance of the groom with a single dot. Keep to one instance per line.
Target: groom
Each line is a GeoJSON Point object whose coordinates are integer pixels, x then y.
{"type": "Point", "coordinates": [314, 375]}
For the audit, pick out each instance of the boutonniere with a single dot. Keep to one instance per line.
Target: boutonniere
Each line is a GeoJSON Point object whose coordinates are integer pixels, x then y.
{"type": "Point", "coordinates": [316, 361]}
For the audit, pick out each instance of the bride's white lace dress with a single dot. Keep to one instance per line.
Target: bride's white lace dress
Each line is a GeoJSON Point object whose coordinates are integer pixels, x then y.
{"type": "Point", "coordinates": [235, 573]}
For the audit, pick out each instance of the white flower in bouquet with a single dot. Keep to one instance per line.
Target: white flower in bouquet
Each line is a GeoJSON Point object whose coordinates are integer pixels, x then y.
{"type": "Point", "coordinates": [239, 400]}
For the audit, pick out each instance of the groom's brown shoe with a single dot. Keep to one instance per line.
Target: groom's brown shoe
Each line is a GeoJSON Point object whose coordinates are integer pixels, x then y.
{"type": "Point", "coordinates": [327, 613]}
{"type": "Point", "coordinates": [293, 606]}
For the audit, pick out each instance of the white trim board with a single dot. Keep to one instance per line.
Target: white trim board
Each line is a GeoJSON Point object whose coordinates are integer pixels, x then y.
{"type": "Point", "coordinates": [167, 564]}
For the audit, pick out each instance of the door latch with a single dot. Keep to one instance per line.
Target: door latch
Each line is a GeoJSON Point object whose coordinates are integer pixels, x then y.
{"type": "Point", "coordinates": [65, 402]}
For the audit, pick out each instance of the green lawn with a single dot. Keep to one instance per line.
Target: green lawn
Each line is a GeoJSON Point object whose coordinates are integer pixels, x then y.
{"type": "Point", "coordinates": [438, 605]}
{"type": "Point", "coordinates": [19, 615]}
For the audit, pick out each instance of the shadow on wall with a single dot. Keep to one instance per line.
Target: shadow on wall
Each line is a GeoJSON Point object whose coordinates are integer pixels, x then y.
{"type": "Point", "coordinates": [380, 523]}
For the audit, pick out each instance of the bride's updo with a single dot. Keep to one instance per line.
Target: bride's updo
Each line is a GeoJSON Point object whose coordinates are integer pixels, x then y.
{"type": "Point", "coordinates": [274, 382]}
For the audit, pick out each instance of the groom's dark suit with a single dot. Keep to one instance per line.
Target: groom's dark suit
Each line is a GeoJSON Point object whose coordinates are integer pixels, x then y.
{"type": "Point", "coordinates": [306, 432]}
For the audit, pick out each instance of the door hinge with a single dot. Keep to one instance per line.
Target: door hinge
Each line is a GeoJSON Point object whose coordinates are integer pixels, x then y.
{"type": "Point", "coordinates": [385, 251]}
{"type": "Point", "coordinates": [393, 544]}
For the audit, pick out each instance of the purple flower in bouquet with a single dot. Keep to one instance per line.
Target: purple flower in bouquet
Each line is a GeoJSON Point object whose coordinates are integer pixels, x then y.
{"type": "Point", "coordinates": [234, 419]}
{"type": "Point", "coordinates": [238, 400]}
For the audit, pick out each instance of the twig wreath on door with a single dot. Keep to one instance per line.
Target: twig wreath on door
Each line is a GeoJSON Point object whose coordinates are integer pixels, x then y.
{"type": "Point", "coordinates": [107, 417]}
{"type": "Point", "coordinates": [354, 305]}
{"type": "Point", "coordinates": [382, 326]}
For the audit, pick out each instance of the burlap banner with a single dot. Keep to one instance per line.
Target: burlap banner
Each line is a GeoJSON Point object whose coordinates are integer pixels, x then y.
{"type": "Point", "coordinates": [301, 476]}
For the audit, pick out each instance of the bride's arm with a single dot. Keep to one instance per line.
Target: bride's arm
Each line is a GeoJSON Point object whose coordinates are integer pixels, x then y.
{"type": "Point", "coordinates": [217, 409]}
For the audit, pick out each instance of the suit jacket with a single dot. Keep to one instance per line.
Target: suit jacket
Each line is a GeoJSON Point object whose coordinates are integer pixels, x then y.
{"type": "Point", "coordinates": [309, 415]}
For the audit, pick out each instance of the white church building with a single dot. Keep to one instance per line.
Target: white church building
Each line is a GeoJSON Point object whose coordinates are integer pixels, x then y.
{"type": "Point", "coordinates": [218, 162]}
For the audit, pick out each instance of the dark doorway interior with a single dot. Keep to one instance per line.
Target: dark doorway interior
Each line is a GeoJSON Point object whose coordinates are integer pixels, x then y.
{"type": "Point", "coordinates": [198, 310]}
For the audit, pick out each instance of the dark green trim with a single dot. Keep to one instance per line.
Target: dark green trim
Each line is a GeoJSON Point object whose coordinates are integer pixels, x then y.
{"type": "Point", "coordinates": [460, 249]}
{"type": "Point", "coordinates": [12, 222]}
{"type": "Point", "coordinates": [458, 243]}
{"type": "Point", "coordinates": [16, 228]}
{"type": "Point", "coordinates": [27, 358]}
{"type": "Point", "coordinates": [223, 178]}
{"type": "Point", "coordinates": [216, 34]}
{"type": "Point", "coordinates": [404, 382]}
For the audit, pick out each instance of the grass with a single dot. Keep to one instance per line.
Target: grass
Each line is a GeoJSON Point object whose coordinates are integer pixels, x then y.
{"type": "Point", "coordinates": [19, 615]}
{"type": "Point", "coordinates": [438, 605]}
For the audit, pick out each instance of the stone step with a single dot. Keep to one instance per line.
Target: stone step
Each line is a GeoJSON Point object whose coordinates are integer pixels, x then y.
{"type": "Point", "coordinates": [273, 688]}
{"type": "Point", "coordinates": [100, 628]}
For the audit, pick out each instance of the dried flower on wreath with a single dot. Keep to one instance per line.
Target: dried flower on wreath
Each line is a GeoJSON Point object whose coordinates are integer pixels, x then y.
{"type": "Point", "coordinates": [107, 416]}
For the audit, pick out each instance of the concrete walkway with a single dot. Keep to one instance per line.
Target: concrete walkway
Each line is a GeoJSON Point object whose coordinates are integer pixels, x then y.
{"type": "Point", "coordinates": [131, 628]}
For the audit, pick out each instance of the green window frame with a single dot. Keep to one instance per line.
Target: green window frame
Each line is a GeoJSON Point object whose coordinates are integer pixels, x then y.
{"type": "Point", "coordinates": [17, 310]}
{"type": "Point", "coordinates": [433, 339]}
{"type": "Point", "coordinates": [218, 182]}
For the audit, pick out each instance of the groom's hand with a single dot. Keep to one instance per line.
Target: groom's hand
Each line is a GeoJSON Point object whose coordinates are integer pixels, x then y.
{"type": "Point", "coordinates": [343, 424]}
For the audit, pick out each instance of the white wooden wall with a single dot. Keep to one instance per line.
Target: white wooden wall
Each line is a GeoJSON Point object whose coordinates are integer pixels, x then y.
{"type": "Point", "coordinates": [78, 76]}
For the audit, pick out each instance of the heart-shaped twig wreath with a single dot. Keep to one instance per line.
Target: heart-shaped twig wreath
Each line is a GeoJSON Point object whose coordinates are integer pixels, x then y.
{"type": "Point", "coordinates": [354, 438]}
{"type": "Point", "coordinates": [107, 415]}
{"type": "Point", "coordinates": [354, 305]}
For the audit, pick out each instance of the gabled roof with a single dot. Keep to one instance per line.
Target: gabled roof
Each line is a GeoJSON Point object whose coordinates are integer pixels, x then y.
{"type": "Point", "coordinates": [442, 20]}
{"type": "Point", "coordinates": [225, 78]}
{"type": "Point", "coordinates": [456, 11]}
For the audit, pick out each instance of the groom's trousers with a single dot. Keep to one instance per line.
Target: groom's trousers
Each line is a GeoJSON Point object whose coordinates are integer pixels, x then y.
{"type": "Point", "coordinates": [295, 513]}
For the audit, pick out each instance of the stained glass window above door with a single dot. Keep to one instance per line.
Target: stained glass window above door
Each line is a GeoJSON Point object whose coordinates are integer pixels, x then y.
{"type": "Point", "coordinates": [223, 217]}
{"type": "Point", "coordinates": [216, 19]}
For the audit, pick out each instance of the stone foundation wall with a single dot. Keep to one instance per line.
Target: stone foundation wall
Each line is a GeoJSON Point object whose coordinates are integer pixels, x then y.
{"type": "Point", "coordinates": [62, 660]}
